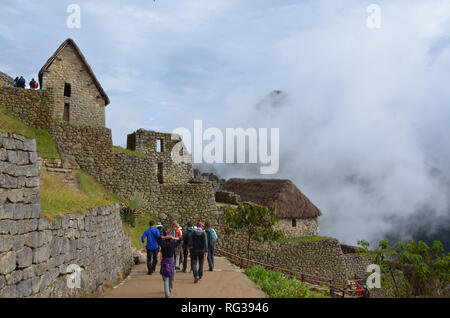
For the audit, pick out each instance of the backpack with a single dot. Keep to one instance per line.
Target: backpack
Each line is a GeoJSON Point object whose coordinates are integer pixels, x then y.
{"type": "Point", "coordinates": [198, 240]}
{"type": "Point", "coordinates": [15, 83]}
{"type": "Point", "coordinates": [35, 85]}
{"type": "Point", "coordinates": [213, 236]}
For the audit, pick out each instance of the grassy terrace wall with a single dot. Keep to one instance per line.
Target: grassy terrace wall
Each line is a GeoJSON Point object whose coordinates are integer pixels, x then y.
{"type": "Point", "coordinates": [35, 253]}
{"type": "Point", "coordinates": [32, 107]}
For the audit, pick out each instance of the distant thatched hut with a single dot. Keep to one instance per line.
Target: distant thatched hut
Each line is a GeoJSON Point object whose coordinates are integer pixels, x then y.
{"type": "Point", "coordinates": [297, 215]}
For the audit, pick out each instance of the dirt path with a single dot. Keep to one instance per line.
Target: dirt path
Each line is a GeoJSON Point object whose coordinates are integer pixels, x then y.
{"type": "Point", "coordinates": [227, 281]}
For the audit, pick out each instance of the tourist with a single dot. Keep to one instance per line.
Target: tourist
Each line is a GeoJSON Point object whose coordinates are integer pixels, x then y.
{"type": "Point", "coordinates": [21, 82]}
{"type": "Point", "coordinates": [168, 245]}
{"type": "Point", "coordinates": [198, 247]}
{"type": "Point", "coordinates": [175, 231]}
{"type": "Point", "coordinates": [161, 229]}
{"type": "Point", "coordinates": [16, 82]}
{"type": "Point", "coordinates": [33, 84]}
{"type": "Point", "coordinates": [186, 233]}
{"type": "Point", "coordinates": [212, 239]}
{"type": "Point", "coordinates": [152, 236]}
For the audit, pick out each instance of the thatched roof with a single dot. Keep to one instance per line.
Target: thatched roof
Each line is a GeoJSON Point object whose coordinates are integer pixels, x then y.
{"type": "Point", "coordinates": [292, 203]}
{"type": "Point", "coordinates": [83, 59]}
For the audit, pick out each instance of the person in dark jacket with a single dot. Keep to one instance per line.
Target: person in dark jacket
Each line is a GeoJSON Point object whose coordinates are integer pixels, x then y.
{"type": "Point", "coordinates": [161, 229]}
{"type": "Point", "coordinates": [152, 236]}
{"type": "Point", "coordinates": [21, 82]}
{"type": "Point", "coordinates": [186, 232]}
{"type": "Point", "coordinates": [198, 247]}
{"type": "Point", "coordinates": [168, 244]}
{"type": "Point", "coordinates": [32, 84]}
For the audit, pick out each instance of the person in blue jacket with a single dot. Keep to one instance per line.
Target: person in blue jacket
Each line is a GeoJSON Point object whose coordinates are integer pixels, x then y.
{"type": "Point", "coordinates": [152, 236]}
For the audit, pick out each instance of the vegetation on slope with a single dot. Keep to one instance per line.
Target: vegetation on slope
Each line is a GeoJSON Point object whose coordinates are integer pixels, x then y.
{"type": "Point", "coordinates": [118, 149]}
{"type": "Point", "coordinates": [45, 146]}
{"type": "Point", "coordinates": [277, 285]}
{"type": "Point", "coordinates": [313, 238]}
{"type": "Point", "coordinates": [412, 269]}
{"type": "Point", "coordinates": [59, 198]}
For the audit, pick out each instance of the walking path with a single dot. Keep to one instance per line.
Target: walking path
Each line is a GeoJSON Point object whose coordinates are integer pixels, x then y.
{"type": "Point", "coordinates": [227, 281]}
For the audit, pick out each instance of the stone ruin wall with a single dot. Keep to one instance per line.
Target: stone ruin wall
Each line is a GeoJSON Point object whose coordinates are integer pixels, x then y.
{"type": "Point", "coordinates": [6, 80]}
{"type": "Point", "coordinates": [35, 253]}
{"type": "Point", "coordinates": [32, 107]}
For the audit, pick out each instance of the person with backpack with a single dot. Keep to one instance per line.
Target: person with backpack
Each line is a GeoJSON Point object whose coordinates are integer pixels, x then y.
{"type": "Point", "coordinates": [168, 244]}
{"type": "Point", "coordinates": [152, 236]}
{"type": "Point", "coordinates": [198, 247]}
{"type": "Point", "coordinates": [33, 84]}
{"type": "Point", "coordinates": [16, 82]}
{"type": "Point", "coordinates": [21, 82]}
{"type": "Point", "coordinates": [175, 232]}
{"type": "Point", "coordinates": [161, 229]}
{"type": "Point", "coordinates": [185, 234]}
{"type": "Point", "coordinates": [212, 239]}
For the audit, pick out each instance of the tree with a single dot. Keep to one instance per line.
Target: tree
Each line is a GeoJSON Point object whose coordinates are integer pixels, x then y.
{"type": "Point", "coordinates": [413, 268]}
{"type": "Point", "coordinates": [256, 221]}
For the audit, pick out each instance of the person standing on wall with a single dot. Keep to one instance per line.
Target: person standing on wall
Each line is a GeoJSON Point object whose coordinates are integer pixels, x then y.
{"type": "Point", "coordinates": [168, 244]}
{"type": "Point", "coordinates": [212, 239]}
{"type": "Point", "coordinates": [152, 236]}
{"type": "Point", "coordinates": [185, 236]}
{"type": "Point", "coordinates": [33, 84]}
{"type": "Point", "coordinates": [198, 247]}
{"type": "Point", "coordinates": [21, 82]}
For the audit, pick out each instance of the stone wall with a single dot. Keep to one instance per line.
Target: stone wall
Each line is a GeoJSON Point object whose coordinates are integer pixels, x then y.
{"type": "Point", "coordinates": [303, 227]}
{"type": "Point", "coordinates": [356, 265]}
{"type": "Point", "coordinates": [324, 258]}
{"type": "Point", "coordinates": [32, 107]}
{"type": "Point", "coordinates": [227, 197]}
{"type": "Point", "coordinates": [35, 253]}
{"type": "Point", "coordinates": [87, 106]}
{"type": "Point", "coordinates": [184, 203]}
{"type": "Point", "coordinates": [91, 147]}
{"type": "Point", "coordinates": [132, 173]}
{"type": "Point", "coordinates": [5, 80]}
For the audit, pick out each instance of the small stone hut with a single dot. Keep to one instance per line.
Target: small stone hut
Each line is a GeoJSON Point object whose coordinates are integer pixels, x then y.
{"type": "Point", "coordinates": [78, 96]}
{"type": "Point", "coordinates": [297, 215]}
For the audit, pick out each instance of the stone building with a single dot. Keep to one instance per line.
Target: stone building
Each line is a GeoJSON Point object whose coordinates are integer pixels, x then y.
{"type": "Point", "coordinates": [78, 96]}
{"type": "Point", "coordinates": [297, 215]}
{"type": "Point", "coordinates": [173, 163]}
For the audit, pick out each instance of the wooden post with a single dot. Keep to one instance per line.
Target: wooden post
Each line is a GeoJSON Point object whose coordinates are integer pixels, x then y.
{"type": "Point", "coordinates": [303, 278]}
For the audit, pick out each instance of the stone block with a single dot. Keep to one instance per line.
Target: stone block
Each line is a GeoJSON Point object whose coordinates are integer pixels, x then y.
{"type": "Point", "coordinates": [14, 277]}
{"type": "Point", "coordinates": [9, 292]}
{"type": "Point", "coordinates": [6, 211]}
{"type": "Point", "coordinates": [6, 243]}
{"type": "Point", "coordinates": [24, 288]}
{"type": "Point", "coordinates": [24, 257]}
{"type": "Point", "coordinates": [7, 262]}
{"type": "Point", "coordinates": [19, 209]}
{"type": "Point", "coordinates": [41, 254]}
{"type": "Point", "coordinates": [32, 182]}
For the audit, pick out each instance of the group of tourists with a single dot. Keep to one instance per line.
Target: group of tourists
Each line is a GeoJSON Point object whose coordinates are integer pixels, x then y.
{"type": "Point", "coordinates": [19, 82]}
{"type": "Point", "coordinates": [175, 245]}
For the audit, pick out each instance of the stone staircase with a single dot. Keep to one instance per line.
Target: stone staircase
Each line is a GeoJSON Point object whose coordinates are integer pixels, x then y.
{"type": "Point", "coordinates": [56, 167]}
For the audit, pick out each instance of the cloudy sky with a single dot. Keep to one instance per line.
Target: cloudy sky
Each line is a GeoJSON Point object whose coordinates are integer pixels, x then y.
{"type": "Point", "coordinates": [366, 113]}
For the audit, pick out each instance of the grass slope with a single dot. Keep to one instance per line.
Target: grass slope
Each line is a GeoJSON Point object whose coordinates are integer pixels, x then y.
{"type": "Point", "coordinates": [59, 198]}
{"type": "Point", "coordinates": [127, 151]}
{"type": "Point", "coordinates": [277, 285]}
{"type": "Point", "coordinates": [10, 124]}
{"type": "Point", "coordinates": [136, 232]}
